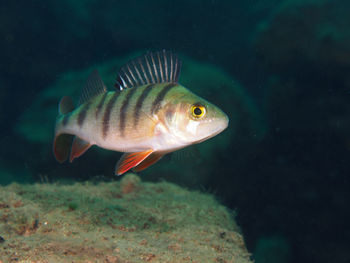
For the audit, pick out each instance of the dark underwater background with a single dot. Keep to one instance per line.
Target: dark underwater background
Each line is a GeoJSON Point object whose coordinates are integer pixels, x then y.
{"type": "Point", "coordinates": [279, 68]}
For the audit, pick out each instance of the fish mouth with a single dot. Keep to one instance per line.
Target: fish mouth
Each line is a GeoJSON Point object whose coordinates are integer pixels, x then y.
{"type": "Point", "coordinates": [213, 134]}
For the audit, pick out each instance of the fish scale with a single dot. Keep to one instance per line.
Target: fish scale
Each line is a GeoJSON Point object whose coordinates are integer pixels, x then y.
{"type": "Point", "coordinates": [150, 115]}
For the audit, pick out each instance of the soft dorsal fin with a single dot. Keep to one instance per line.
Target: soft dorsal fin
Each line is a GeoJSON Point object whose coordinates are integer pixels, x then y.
{"type": "Point", "coordinates": [155, 67]}
{"type": "Point", "coordinates": [94, 86]}
{"type": "Point", "coordinates": [66, 105]}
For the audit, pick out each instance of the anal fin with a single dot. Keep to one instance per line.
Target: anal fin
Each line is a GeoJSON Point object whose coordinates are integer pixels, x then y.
{"type": "Point", "coordinates": [130, 160]}
{"type": "Point", "coordinates": [152, 159]}
{"type": "Point", "coordinates": [79, 147]}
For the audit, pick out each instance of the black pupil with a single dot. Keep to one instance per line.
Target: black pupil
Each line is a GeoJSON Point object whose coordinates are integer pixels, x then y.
{"type": "Point", "coordinates": [197, 111]}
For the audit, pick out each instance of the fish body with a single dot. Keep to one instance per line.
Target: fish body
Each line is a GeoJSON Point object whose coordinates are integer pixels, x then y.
{"type": "Point", "coordinates": [150, 115]}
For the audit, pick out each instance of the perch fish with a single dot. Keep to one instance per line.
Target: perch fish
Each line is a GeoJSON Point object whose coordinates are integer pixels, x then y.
{"type": "Point", "coordinates": [148, 115]}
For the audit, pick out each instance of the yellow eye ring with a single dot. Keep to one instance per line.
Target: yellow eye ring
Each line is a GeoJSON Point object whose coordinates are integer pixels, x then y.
{"type": "Point", "coordinates": [198, 111]}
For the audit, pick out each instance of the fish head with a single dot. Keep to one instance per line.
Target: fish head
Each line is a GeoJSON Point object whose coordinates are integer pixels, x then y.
{"type": "Point", "coordinates": [191, 119]}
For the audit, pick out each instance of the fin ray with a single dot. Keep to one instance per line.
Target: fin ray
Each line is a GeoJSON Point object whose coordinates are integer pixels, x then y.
{"type": "Point", "coordinates": [130, 160]}
{"type": "Point", "coordinates": [151, 159]}
{"type": "Point", "coordinates": [94, 86]}
{"type": "Point", "coordinates": [150, 68]}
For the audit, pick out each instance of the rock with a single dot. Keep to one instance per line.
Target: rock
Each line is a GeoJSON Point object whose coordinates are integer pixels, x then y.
{"type": "Point", "coordinates": [129, 183]}
{"type": "Point", "coordinates": [157, 222]}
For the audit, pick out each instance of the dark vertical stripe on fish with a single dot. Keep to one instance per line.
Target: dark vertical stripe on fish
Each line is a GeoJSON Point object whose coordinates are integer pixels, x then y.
{"type": "Point", "coordinates": [82, 113]}
{"type": "Point", "coordinates": [107, 114]}
{"type": "Point", "coordinates": [139, 103]}
{"type": "Point", "coordinates": [66, 119]}
{"type": "Point", "coordinates": [100, 104]}
{"type": "Point", "coordinates": [123, 110]}
{"type": "Point", "coordinates": [158, 100]}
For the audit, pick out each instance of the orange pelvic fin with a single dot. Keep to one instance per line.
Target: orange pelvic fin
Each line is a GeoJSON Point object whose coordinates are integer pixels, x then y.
{"type": "Point", "coordinates": [130, 160]}
{"type": "Point", "coordinates": [152, 159]}
{"type": "Point", "coordinates": [61, 146]}
{"type": "Point", "coordinates": [79, 147]}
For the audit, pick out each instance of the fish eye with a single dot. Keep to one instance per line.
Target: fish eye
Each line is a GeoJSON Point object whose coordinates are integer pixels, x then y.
{"type": "Point", "coordinates": [198, 111]}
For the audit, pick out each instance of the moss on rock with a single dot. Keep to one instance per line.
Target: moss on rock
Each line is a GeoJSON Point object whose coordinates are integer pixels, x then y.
{"type": "Point", "coordinates": [147, 223]}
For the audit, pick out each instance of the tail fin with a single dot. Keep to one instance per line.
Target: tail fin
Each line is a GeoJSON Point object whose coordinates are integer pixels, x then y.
{"type": "Point", "coordinates": [62, 142]}
{"type": "Point", "coordinates": [61, 146]}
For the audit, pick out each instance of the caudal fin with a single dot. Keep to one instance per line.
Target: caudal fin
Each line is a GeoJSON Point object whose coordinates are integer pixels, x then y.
{"type": "Point", "coordinates": [61, 146]}
{"type": "Point", "coordinates": [79, 147]}
{"type": "Point", "coordinates": [62, 142]}
{"type": "Point", "coordinates": [67, 145]}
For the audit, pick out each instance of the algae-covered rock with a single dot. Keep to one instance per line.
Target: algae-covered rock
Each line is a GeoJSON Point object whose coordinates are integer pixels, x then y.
{"type": "Point", "coordinates": [127, 221]}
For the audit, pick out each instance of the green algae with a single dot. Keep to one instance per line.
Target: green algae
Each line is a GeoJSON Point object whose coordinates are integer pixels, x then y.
{"type": "Point", "coordinates": [126, 221]}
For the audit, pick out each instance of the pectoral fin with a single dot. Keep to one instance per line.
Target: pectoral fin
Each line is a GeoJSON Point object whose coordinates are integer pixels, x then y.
{"type": "Point", "coordinates": [79, 147]}
{"type": "Point", "coordinates": [130, 160]}
{"type": "Point", "coordinates": [152, 159]}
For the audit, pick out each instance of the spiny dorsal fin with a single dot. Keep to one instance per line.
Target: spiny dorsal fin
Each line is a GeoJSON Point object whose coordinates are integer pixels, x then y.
{"type": "Point", "coordinates": [155, 67]}
{"type": "Point", "coordinates": [94, 86]}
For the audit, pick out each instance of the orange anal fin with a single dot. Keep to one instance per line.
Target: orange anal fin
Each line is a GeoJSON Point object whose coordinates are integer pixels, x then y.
{"type": "Point", "coordinates": [79, 147]}
{"type": "Point", "coordinates": [130, 160]}
{"type": "Point", "coordinates": [61, 146]}
{"type": "Point", "coordinates": [152, 159]}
